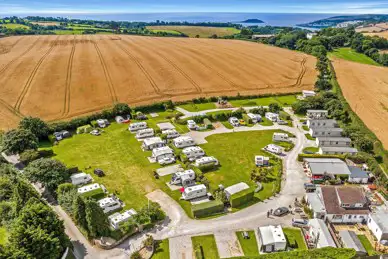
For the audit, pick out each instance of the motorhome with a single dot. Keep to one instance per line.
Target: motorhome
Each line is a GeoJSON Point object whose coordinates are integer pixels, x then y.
{"type": "Point", "coordinates": [109, 204]}
{"type": "Point", "coordinates": [193, 153]}
{"type": "Point", "coordinates": [80, 178]}
{"type": "Point", "coordinates": [145, 133]}
{"type": "Point", "coordinates": [274, 149]}
{"type": "Point", "coordinates": [274, 117]}
{"type": "Point", "coordinates": [117, 219]}
{"type": "Point", "coordinates": [194, 192]}
{"type": "Point", "coordinates": [280, 137]}
{"type": "Point", "coordinates": [184, 141]}
{"type": "Point", "coordinates": [254, 117]}
{"type": "Point", "coordinates": [207, 160]}
{"type": "Point", "coordinates": [171, 133]}
{"type": "Point", "coordinates": [234, 121]}
{"type": "Point", "coordinates": [163, 155]}
{"type": "Point", "coordinates": [133, 127]}
{"type": "Point", "coordinates": [261, 161]}
{"type": "Point", "coordinates": [184, 178]}
{"type": "Point", "coordinates": [151, 143]}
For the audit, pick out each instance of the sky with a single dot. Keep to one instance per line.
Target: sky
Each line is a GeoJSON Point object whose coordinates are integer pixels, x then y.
{"type": "Point", "coordinates": [54, 7]}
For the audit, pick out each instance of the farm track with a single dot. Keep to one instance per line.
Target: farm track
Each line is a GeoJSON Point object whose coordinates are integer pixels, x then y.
{"type": "Point", "coordinates": [66, 105]}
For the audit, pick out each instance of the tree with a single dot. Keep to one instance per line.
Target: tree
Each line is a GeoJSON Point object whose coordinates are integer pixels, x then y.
{"type": "Point", "coordinates": [121, 109]}
{"type": "Point", "coordinates": [28, 156]}
{"type": "Point", "coordinates": [66, 195]}
{"type": "Point", "coordinates": [323, 84]}
{"type": "Point", "coordinates": [364, 144]}
{"type": "Point", "coordinates": [37, 126]}
{"type": "Point", "coordinates": [47, 171]}
{"type": "Point", "coordinates": [274, 107]}
{"type": "Point", "coordinates": [96, 219]}
{"type": "Point", "coordinates": [18, 140]}
{"type": "Point", "coordinates": [319, 51]}
{"type": "Point", "coordinates": [78, 208]}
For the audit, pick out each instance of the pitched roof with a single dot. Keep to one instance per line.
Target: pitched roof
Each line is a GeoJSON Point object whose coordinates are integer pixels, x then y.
{"type": "Point", "coordinates": [334, 139]}
{"type": "Point", "coordinates": [325, 239]}
{"type": "Point", "coordinates": [351, 195]}
{"type": "Point", "coordinates": [339, 149]}
{"type": "Point", "coordinates": [356, 172]}
{"type": "Point", "coordinates": [326, 165]}
{"type": "Point", "coordinates": [381, 219]}
{"type": "Point", "coordinates": [236, 188]}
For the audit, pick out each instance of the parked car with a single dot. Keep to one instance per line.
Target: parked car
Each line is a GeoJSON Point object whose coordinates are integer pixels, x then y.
{"type": "Point", "coordinates": [234, 121]}
{"type": "Point", "coordinates": [281, 211]}
{"type": "Point", "coordinates": [99, 172]}
{"type": "Point", "coordinates": [95, 132]}
{"type": "Point", "coordinates": [300, 223]}
{"type": "Point", "coordinates": [310, 187]}
{"type": "Point", "coordinates": [242, 123]}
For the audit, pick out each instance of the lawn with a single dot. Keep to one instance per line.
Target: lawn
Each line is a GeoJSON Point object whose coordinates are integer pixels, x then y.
{"type": "Point", "coordinates": [367, 245]}
{"type": "Point", "coordinates": [3, 236]}
{"type": "Point", "coordinates": [351, 55]}
{"type": "Point", "coordinates": [208, 244]}
{"type": "Point", "coordinates": [285, 100]}
{"type": "Point", "coordinates": [304, 127]}
{"type": "Point", "coordinates": [294, 236]}
{"type": "Point", "coordinates": [310, 150]}
{"type": "Point", "coordinates": [162, 249]}
{"type": "Point", "coordinates": [266, 122]}
{"type": "Point", "coordinates": [308, 136]}
{"type": "Point", "coordinates": [192, 107]}
{"type": "Point", "coordinates": [249, 246]}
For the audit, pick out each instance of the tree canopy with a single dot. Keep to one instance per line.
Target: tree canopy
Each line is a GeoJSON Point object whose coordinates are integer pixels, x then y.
{"type": "Point", "coordinates": [18, 140]}
{"type": "Point", "coordinates": [36, 125]}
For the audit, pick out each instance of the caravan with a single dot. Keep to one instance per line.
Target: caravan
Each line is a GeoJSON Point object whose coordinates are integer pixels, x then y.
{"type": "Point", "coordinates": [102, 123]}
{"type": "Point", "coordinates": [109, 204]}
{"type": "Point", "coordinates": [280, 137]}
{"type": "Point", "coordinates": [261, 161]}
{"type": "Point", "coordinates": [151, 143]}
{"type": "Point", "coordinates": [184, 141]}
{"type": "Point", "coordinates": [274, 149]}
{"type": "Point", "coordinates": [193, 153]}
{"type": "Point", "coordinates": [171, 133]}
{"type": "Point", "coordinates": [80, 178]}
{"type": "Point", "coordinates": [204, 161]}
{"type": "Point", "coordinates": [133, 127]}
{"type": "Point", "coordinates": [163, 155]}
{"type": "Point", "coordinates": [184, 178]}
{"type": "Point", "coordinates": [254, 117]}
{"type": "Point", "coordinates": [117, 219]}
{"type": "Point", "coordinates": [193, 192]}
{"type": "Point", "coordinates": [145, 133]}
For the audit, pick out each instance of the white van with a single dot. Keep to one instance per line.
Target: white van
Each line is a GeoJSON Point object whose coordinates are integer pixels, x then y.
{"type": "Point", "coordinates": [234, 121]}
{"type": "Point", "coordinates": [193, 192]}
{"type": "Point", "coordinates": [207, 160]}
{"type": "Point", "coordinates": [145, 133]}
{"type": "Point", "coordinates": [184, 141]}
{"type": "Point", "coordinates": [184, 178]}
{"type": "Point", "coordinates": [133, 127]}
{"type": "Point", "coordinates": [171, 133]}
{"type": "Point", "coordinates": [193, 153]}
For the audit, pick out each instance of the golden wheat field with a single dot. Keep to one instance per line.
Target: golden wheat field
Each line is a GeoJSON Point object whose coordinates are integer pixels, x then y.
{"type": "Point", "coordinates": [61, 77]}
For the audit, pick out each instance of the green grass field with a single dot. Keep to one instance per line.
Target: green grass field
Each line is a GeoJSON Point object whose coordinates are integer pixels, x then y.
{"type": "Point", "coordinates": [311, 150]}
{"type": "Point", "coordinates": [249, 246]}
{"type": "Point", "coordinates": [15, 26]}
{"type": "Point", "coordinates": [285, 100]}
{"type": "Point", "coordinates": [367, 245]}
{"type": "Point", "coordinates": [208, 244]}
{"type": "Point", "coordinates": [3, 236]}
{"type": "Point", "coordinates": [162, 249]}
{"type": "Point", "coordinates": [351, 55]}
{"type": "Point", "coordinates": [192, 107]}
{"type": "Point", "coordinates": [294, 235]}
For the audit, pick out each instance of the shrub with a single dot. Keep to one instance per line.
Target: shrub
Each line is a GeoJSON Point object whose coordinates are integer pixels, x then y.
{"type": "Point", "coordinates": [247, 119]}
{"type": "Point", "coordinates": [284, 115]}
{"type": "Point", "coordinates": [208, 123]}
{"type": "Point", "coordinates": [241, 198]}
{"type": "Point", "coordinates": [28, 156]}
{"type": "Point", "coordinates": [84, 129]}
{"type": "Point", "coordinates": [302, 156]}
{"type": "Point", "coordinates": [207, 208]}
{"type": "Point", "coordinates": [94, 124]}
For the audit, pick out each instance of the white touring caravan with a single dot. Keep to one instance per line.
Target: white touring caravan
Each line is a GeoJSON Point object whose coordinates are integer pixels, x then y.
{"type": "Point", "coordinates": [184, 178]}
{"type": "Point", "coordinates": [163, 155]}
{"type": "Point", "coordinates": [254, 117]}
{"type": "Point", "coordinates": [184, 141]}
{"type": "Point", "coordinates": [117, 218]}
{"type": "Point", "coordinates": [102, 123]}
{"type": "Point", "coordinates": [133, 127]}
{"type": "Point", "coordinates": [109, 204]}
{"type": "Point", "coordinates": [80, 178]}
{"type": "Point", "coordinates": [274, 149]}
{"type": "Point", "coordinates": [171, 133]}
{"type": "Point", "coordinates": [280, 137]}
{"type": "Point", "coordinates": [88, 188]}
{"type": "Point", "coordinates": [207, 160]}
{"type": "Point", "coordinates": [193, 153]}
{"type": "Point", "coordinates": [145, 133]}
{"type": "Point", "coordinates": [151, 143]}
{"type": "Point", "coordinates": [193, 192]}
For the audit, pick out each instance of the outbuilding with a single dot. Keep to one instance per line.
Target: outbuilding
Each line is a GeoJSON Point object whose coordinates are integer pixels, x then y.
{"type": "Point", "coordinates": [357, 175]}
{"type": "Point", "coordinates": [229, 191]}
{"type": "Point", "coordinates": [80, 178]}
{"type": "Point", "coordinates": [117, 219]}
{"type": "Point", "coordinates": [272, 239]}
{"type": "Point", "coordinates": [151, 143]}
{"type": "Point", "coordinates": [378, 224]}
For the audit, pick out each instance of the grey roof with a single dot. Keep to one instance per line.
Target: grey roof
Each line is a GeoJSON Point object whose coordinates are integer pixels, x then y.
{"type": "Point", "coordinates": [381, 219]}
{"type": "Point", "coordinates": [350, 240]}
{"type": "Point", "coordinates": [320, 129]}
{"type": "Point", "coordinates": [334, 139]}
{"type": "Point", "coordinates": [236, 188]}
{"type": "Point", "coordinates": [315, 202]}
{"type": "Point", "coordinates": [322, 120]}
{"type": "Point", "coordinates": [340, 149]}
{"type": "Point", "coordinates": [356, 172]}
{"type": "Point", "coordinates": [332, 166]}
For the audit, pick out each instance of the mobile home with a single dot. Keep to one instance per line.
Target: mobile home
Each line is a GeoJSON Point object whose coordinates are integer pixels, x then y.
{"type": "Point", "coordinates": [193, 153]}
{"type": "Point", "coordinates": [80, 178]}
{"type": "Point", "coordinates": [204, 161]}
{"type": "Point", "coordinates": [133, 127]}
{"type": "Point", "coordinates": [325, 132]}
{"type": "Point", "coordinates": [171, 133]}
{"type": "Point", "coordinates": [184, 141]}
{"type": "Point", "coordinates": [274, 149]}
{"type": "Point", "coordinates": [102, 123]}
{"type": "Point", "coordinates": [151, 143]}
{"type": "Point", "coordinates": [109, 204]}
{"type": "Point", "coordinates": [184, 178]}
{"type": "Point", "coordinates": [333, 142]}
{"type": "Point", "coordinates": [163, 155]}
{"type": "Point", "coordinates": [272, 239]}
{"type": "Point", "coordinates": [280, 137]}
{"type": "Point", "coordinates": [117, 219]}
{"type": "Point", "coordinates": [317, 114]}
{"type": "Point", "coordinates": [337, 151]}
{"type": "Point", "coordinates": [254, 117]}
{"type": "Point", "coordinates": [145, 133]}
{"type": "Point", "coordinates": [321, 123]}
{"type": "Point", "coordinates": [88, 188]}
{"type": "Point", "coordinates": [307, 93]}
{"type": "Point", "coordinates": [194, 192]}
{"type": "Point", "coordinates": [274, 117]}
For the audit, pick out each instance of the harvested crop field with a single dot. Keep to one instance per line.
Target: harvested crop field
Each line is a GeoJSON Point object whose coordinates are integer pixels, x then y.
{"type": "Point", "coordinates": [365, 87]}
{"type": "Point", "coordinates": [60, 77]}
{"type": "Point", "coordinates": [201, 31]}
{"type": "Point", "coordinates": [383, 34]}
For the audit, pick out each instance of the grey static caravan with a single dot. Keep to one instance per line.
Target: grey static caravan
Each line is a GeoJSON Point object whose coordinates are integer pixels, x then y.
{"type": "Point", "coordinates": [109, 204]}
{"type": "Point", "coordinates": [80, 178]}
{"type": "Point", "coordinates": [333, 142]}
{"type": "Point", "coordinates": [322, 123]}
{"type": "Point", "coordinates": [195, 191]}
{"type": "Point", "coordinates": [193, 153]}
{"type": "Point", "coordinates": [184, 141]}
{"type": "Point", "coordinates": [325, 132]}
{"type": "Point", "coordinates": [171, 133]}
{"type": "Point", "coordinates": [145, 133]}
{"type": "Point", "coordinates": [151, 143]}
{"type": "Point", "coordinates": [337, 151]}
{"type": "Point", "coordinates": [133, 127]}
{"type": "Point", "coordinates": [207, 160]}
{"type": "Point", "coordinates": [317, 114]}
{"type": "Point", "coordinates": [88, 188]}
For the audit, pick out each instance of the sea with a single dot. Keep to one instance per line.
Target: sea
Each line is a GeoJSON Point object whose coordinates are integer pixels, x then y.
{"type": "Point", "coordinates": [273, 19]}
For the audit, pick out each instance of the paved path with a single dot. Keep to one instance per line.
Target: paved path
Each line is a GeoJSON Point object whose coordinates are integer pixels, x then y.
{"type": "Point", "coordinates": [227, 244]}
{"type": "Point", "coordinates": [181, 248]}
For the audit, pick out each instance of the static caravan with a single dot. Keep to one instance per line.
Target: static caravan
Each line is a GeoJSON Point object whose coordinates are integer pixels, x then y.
{"type": "Point", "coordinates": [272, 239]}
{"type": "Point", "coordinates": [229, 191]}
{"type": "Point", "coordinates": [163, 155]}
{"type": "Point", "coordinates": [337, 151]}
{"type": "Point", "coordinates": [151, 143]}
{"type": "Point", "coordinates": [280, 137]}
{"type": "Point", "coordinates": [184, 178]}
{"type": "Point", "coordinates": [192, 125]}
{"type": "Point", "coordinates": [133, 127]}
{"type": "Point", "coordinates": [117, 219]}
{"type": "Point", "coordinates": [254, 117]}
{"type": "Point", "coordinates": [274, 117]}
{"type": "Point", "coordinates": [109, 204]}
{"type": "Point", "coordinates": [193, 153]}
{"type": "Point", "coordinates": [80, 178]}
{"type": "Point", "coordinates": [194, 192]}
{"type": "Point", "coordinates": [204, 161]}
{"type": "Point", "coordinates": [274, 149]}
{"type": "Point", "coordinates": [325, 132]}
{"type": "Point", "coordinates": [61, 135]}
{"type": "Point", "coordinates": [333, 142]}
{"type": "Point", "coordinates": [317, 114]}
{"type": "Point", "coordinates": [322, 123]}
{"type": "Point", "coordinates": [88, 188]}
{"type": "Point", "coordinates": [145, 133]}
{"type": "Point", "coordinates": [307, 93]}
{"type": "Point", "coordinates": [184, 141]}
{"type": "Point", "coordinates": [261, 161]}
{"type": "Point", "coordinates": [102, 123]}
{"type": "Point", "coordinates": [171, 133]}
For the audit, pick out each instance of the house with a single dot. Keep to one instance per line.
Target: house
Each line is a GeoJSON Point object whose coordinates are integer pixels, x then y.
{"type": "Point", "coordinates": [133, 127]}
{"type": "Point", "coordinates": [254, 117]}
{"type": "Point", "coordinates": [322, 123]}
{"type": "Point", "coordinates": [145, 133]}
{"type": "Point", "coordinates": [229, 191]}
{"type": "Point", "coordinates": [337, 151]}
{"type": "Point", "coordinates": [117, 219]}
{"type": "Point", "coordinates": [306, 93]}
{"type": "Point", "coordinates": [280, 137]}
{"type": "Point", "coordinates": [206, 160]}
{"type": "Point", "coordinates": [261, 161]}
{"type": "Point", "coordinates": [325, 132]}
{"type": "Point", "coordinates": [193, 153]}
{"type": "Point", "coordinates": [378, 225]}
{"type": "Point", "coordinates": [323, 169]}
{"type": "Point", "coordinates": [194, 192]}
{"type": "Point", "coordinates": [350, 240]}
{"type": "Point", "coordinates": [88, 188]}
{"type": "Point", "coordinates": [162, 153]}
{"type": "Point", "coordinates": [151, 143]}
{"type": "Point", "coordinates": [171, 133]}
{"type": "Point", "coordinates": [318, 234]}
{"type": "Point", "coordinates": [272, 239]}
{"type": "Point", "coordinates": [274, 117]}
{"type": "Point", "coordinates": [184, 141]}
{"type": "Point", "coordinates": [317, 114]}
{"type": "Point", "coordinates": [274, 149]}
{"type": "Point", "coordinates": [109, 204]}
{"type": "Point", "coordinates": [80, 178]}
{"type": "Point", "coordinates": [333, 142]}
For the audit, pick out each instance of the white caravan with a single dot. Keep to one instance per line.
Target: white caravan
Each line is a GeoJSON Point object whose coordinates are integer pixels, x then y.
{"type": "Point", "coordinates": [274, 149]}
{"type": "Point", "coordinates": [145, 133]}
{"type": "Point", "coordinates": [151, 143]}
{"type": "Point", "coordinates": [261, 161]}
{"type": "Point", "coordinates": [254, 117]}
{"type": "Point", "coordinates": [274, 117]}
{"type": "Point", "coordinates": [80, 178]}
{"type": "Point", "coordinates": [109, 204]}
{"type": "Point", "coordinates": [193, 192]}
{"type": "Point", "coordinates": [102, 123]}
{"type": "Point", "coordinates": [234, 121]}
{"type": "Point", "coordinates": [192, 125]}
{"type": "Point", "coordinates": [117, 218]}
{"type": "Point", "coordinates": [193, 153]}
{"type": "Point", "coordinates": [184, 178]}
{"type": "Point", "coordinates": [163, 155]}
{"type": "Point", "coordinates": [280, 137]}
{"type": "Point", "coordinates": [207, 160]}
{"type": "Point", "coordinates": [171, 133]}
{"type": "Point", "coordinates": [133, 127]}
{"type": "Point", "coordinates": [184, 141]}
{"type": "Point", "coordinates": [88, 188]}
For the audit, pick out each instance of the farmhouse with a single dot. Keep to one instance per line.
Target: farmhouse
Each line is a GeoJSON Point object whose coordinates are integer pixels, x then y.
{"type": "Point", "coordinates": [184, 141]}
{"type": "Point", "coordinates": [195, 191]}
{"type": "Point", "coordinates": [325, 132]}
{"type": "Point", "coordinates": [318, 234]}
{"type": "Point", "coordinates": [307, 93]}
{"type": "Point", "coordinates": [261, 160]}
{"type": "Point", "coordinates": [229, 191]}
{"type": "Point", "coordinates": [350, 240]}
{"type": "Point", "coordinates": [317, 114]}
{"type": "Point", "coordinates": [88, 188]}
{"type": "Point", "coordinates": [274, 149]}
{"type": "Point", "coordinates": [133, 127]}
{"type": "Point", "coordinates": [80, 178]}
{"type": "Point", "coordinates": [274, 117]}
{"type": "Point", "coordinates": [162, 153]}
{"type": "Point", "coordinates": [109, 204]}
{"type": "Point", "coordinates": [280, 137]}
{"type": "Point", "coordinates": [145, 133]}
{"type": "Point", "coordinates": [272, 239]}
{"type": "Point", "coordinates": [326, 168]}
{"type": "Point", "coordinates": [171, 133]}
{"type": "Point", "coordinates": [117, 219]}
{"type": "Point", "coordinates": [193, 153]}
{"type": "Point", "coordinates": [322, 123]}
{"type": "Point", "coordinates": [151, 143]}
{"type": "Point", "coordinates": [378, 224]}
{"type": "Point", "coordinates": [333, 142]}
{"type": "Point", "coordinates": [254, 117]}
{"type": "Point", "coordinates": [357, 175]}
{"type": "Point", "coordinates": [337, 151]}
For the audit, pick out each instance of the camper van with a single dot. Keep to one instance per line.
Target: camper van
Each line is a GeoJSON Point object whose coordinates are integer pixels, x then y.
{"type": "Point", "coordinates": [171, 133]}
{"type": "Point", "coordinates": [204, 161]}
{"type": "Point", "coordinates": [193, 192]}
{"type": "Point", "coordinates": [184, 178]}
{"type": "Point", "coordinates": [145, 133]}
{"type": "Point", "coordinates": [109, 204]}
{"type": "Point", "coordinates": [234, 121]}
{"type": "Point", "coordinates": [254, 117]}
{"type": "Point", "coordinates": [280, 137]}
{"type": "Point", "coordinates": [163, 155]}
{"type": "Point", "coordinates": [274, 149]}
{"type": "Point", "coordinates": [193, 153]}
{"type": "Point", "coordinates": [133, 127]}
{"type": "Point", "coordinates": [184, 141]}
{"type": "Point", "coordinates": [80, 178]}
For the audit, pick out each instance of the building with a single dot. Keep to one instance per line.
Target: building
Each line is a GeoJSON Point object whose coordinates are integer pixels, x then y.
{"type": "Point", "coordinates": [89, 188]}
{"type": "Point", "coordinates": [80, 178]}
{"type": "Point", "coordinates": [280, 137]}
{"type": "Point", "coordinates": [229, 191]}
{"type": "Point", "coordinates": [315, 203]}
{"type": "Point", "coordinates": [349, 239]}
{"type": "Point", "coordinates": [184, 141]}
{"type": "Point", "coordinates": [151, 143]}
{"type": "Point", "coordinates": [262, 36]}
{"type": "Point", "coordinates": [307, 93]}
{"type": "Point", "coordinates": [109, 204]}
{"type": "Point", "coordinates": [323, 169]}
{"type": "Point", "coordinates": [322, 123]}
{"type": "Point", "coordinates": [310, 35]}
{"type": "Point", "coordinates": [317, 114]}
{"type": "Point", "coordinates": [162, 153]}
{"type": "Point", "coordinates": [378, 225]}
{"type": "Point", "coordinates": [357, 175]}
{"type": "Point", "coordinates": [325, 132]}
{"type": "Point", "coordinates": [274, 117]}
{"type": "Point", "coordinates": [117, 219]}
{"type": "Point", "coordinates": [337, 151]}
{"type": "Point", "coordinates": [333, 142]}
{"type": "Point", "coordinates": [272, 239]}
{"type": "Point", "coordinates": [318, 234]}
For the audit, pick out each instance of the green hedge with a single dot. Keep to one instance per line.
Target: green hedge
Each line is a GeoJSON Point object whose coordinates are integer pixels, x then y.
{"type": "Point", "coordinates": [241, 198]}
{"type": "Point", "coordinates": [207, 208]}
{"type": "Point", "coordinates": [95, 194]}
{"type": "Point", "coordinates": [247, 119]}
{"type": "Point", "coordinates": [284, 115]}
{"type": "Point", "coordinates": [302, 156]}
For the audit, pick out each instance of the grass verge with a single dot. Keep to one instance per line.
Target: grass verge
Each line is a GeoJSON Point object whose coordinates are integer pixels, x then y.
{"type": "Point", "coordinates": [310, 150]}
{"type": "Point", "coordinates": [249, 246]}
{"type": "Point", "coordinates": [205, 245]}
{"type": "Point", "coordinates": [193, 107]}
{"type": "Point", "coordinates": [294, 238]}
{"type": "Point", "coordinates": [162, 249]}
{"type": "Point", "coordinates": [351, 55]}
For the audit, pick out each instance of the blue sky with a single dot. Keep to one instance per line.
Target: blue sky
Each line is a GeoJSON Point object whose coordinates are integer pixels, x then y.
{"type": "Point", "coordinates": [158, 6]}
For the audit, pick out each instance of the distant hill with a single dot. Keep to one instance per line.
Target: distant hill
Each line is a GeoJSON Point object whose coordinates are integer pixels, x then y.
{"type": "Point", "coordinates": [252, 21]}
{"type": "Point", "coordinates": [334, 21]}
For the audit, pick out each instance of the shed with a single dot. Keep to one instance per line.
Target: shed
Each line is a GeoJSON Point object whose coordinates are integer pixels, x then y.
{"type": "Point", "coordinates": [229, 191]}
{"type": "Point", "coordinates": [350, 240]}
{"type": "Point", "coordinates": [357, 175]}
{"type": "Point", "coordinates": [272, 239]}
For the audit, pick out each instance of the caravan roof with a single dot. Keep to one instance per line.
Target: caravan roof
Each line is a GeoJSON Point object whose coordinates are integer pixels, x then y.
{"type": "Point", "coordinates": [195, 188]}
{"type": "Point", "coordinates": [153, 140]}
{"type": "Point", "coordinates": [272, 234]}
{"type": "Point", "coordinates": [138, 124]}
{"type": "Point", "coordinates": [107, 202]}
{"type": "Point", "coordinates": [161, 151]}
{"type": "Point", "coordinates": [191, 149]}
{"type": "Point", "coordinates": [236, 188]}
{"type": "Point", "coordinates": [88, 188]}
{"type": "Point", "coordinates": [206, 159]}
{"type": "Point", "coordinates": [183, 139]}
{"type": "Point", "coordinates": [78, 176]}
{"type": "Point", "coordinates": [121, 217]}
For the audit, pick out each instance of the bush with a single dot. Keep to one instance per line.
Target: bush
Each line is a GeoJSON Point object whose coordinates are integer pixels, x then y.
{"type": "Point", "coordinates": [94, 124]}
{"type": "Point", "coordinates": [302, 156]}
{"type": "Point", "coordinates": [207, 208]}
{"type": "Point", "coordinates": [208, 123]}
{"type": "Point", "coordinates": [28, 156]}
{"type": "Point", "coordinates": [84, 129]}
{"type": "Point", "coordinates": [241, 198]}
{"type": "Point", "coordinates": [247, 119]}
{"type": "Point", "coordinates": [207, 168]}
{"type": "Point", "coordinates": [284, 115]}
